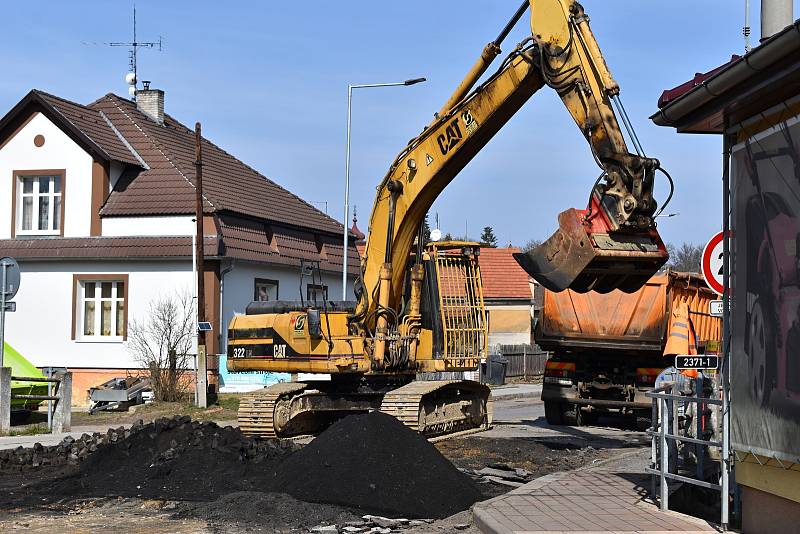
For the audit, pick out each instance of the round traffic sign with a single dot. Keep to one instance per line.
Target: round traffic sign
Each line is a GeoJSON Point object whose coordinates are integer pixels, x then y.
{"type": "Point", "coordinates": [712, 263]}
{"type": "Point", "coordinates": [11, 268]}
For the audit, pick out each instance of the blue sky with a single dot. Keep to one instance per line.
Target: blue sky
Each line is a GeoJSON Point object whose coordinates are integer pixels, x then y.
{"type": "Point", "coordinates": [268, 80]}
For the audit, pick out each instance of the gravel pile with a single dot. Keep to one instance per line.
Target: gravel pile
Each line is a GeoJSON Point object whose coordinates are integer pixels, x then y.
{"type": "Point", "coordinates": [374, 463]}
{"type": "Point", "coordinates": [170, 458]}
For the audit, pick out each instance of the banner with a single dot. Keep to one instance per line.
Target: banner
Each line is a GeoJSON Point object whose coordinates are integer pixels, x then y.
{"type": "Point", "coordinates": [765, 345]}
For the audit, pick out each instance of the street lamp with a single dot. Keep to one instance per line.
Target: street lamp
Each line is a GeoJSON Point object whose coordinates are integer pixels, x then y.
{"type": "Point", "coordinates": [347, 167]}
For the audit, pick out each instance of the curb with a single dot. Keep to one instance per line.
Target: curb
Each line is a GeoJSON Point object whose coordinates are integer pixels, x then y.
{"type": "Point", "coordinates": [488, 524]}
{"type": "Point", "coordinates": [531, 394]}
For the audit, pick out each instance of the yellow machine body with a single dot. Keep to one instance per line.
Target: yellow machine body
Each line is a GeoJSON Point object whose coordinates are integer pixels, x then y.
{"type": "Point", "coordinates": [421, 310]}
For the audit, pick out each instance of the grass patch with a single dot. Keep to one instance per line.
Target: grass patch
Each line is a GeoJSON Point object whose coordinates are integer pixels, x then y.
{"type": "Point", "coordinates": [225, 408]}
{"type": "Point", "coordinates": [28, 430]}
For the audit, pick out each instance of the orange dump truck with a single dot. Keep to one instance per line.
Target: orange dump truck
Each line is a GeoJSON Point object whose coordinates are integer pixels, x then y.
{"type": "Point", "coordinates": [608, 349]}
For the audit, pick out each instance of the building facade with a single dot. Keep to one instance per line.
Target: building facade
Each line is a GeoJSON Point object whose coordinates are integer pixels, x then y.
{"type": "Point", "coordinates": [97, 206]}
{"type": "Point", "coordinates": [753, 103]}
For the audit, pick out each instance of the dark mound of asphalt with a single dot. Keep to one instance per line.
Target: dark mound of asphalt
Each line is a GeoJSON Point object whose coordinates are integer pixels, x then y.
{"type": "Point", "coordinates": [268, 512]}
{"type": "Point", "coordinates": [175, 458]}
{"type": "Point", "coordinates": [374, 463]}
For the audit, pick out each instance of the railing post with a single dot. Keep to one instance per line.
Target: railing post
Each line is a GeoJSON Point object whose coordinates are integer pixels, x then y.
{"type": "Point", "coordinates": [664, 464]}
{"type": "Point", "coordinates": [725, 460]}
{"type": "Point", "coordinates": [653, 446]}
{"type": "Point", "coordinates": [62, 415]}
{"type": "Point", "coordinates": [50, 403]}
{"type": "Point", "coordinates": [5, 400]}
{"type": "Point", "coordinates": [699, 411]}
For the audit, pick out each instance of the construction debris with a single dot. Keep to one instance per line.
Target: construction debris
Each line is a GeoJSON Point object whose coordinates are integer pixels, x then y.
{"type": "Point", "coordinates": [499, 474]}
{"type": "Point", "coordinates": [374, 463]}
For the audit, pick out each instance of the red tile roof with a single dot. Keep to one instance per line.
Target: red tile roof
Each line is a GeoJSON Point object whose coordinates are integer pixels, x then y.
{"type": "Point", "coordinates": [699, 77]}
{"type": "Point", "coordinates": [501, 275]}
{"type": "Point", "coordinates": [253, 240]}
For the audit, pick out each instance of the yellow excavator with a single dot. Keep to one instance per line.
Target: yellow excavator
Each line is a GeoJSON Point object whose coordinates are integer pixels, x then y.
{"type": "Point", "coordinates": [419, 308]}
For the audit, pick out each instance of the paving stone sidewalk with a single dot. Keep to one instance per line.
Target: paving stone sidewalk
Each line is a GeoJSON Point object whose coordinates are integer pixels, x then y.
{"type": "Point", "coordinates": [582, 502]}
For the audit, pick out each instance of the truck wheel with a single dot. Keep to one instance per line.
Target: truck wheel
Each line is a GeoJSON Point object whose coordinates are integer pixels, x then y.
{"type": "Point", "coordinates": [643, 423]}
{"type": "Point", "coordinates": [572, 415]}
{"type": "Point", "coordinates": [590, 418]}
{"type": "Point", "coordinates": [552, 412]}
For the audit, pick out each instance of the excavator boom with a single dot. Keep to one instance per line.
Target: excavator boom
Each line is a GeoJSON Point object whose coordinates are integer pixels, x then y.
{"type": "Point", "coordinates": [613, 243]}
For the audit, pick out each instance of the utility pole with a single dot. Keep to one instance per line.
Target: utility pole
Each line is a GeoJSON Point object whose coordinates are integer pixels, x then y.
{"type": "Point", "coordinates": [202, 377]}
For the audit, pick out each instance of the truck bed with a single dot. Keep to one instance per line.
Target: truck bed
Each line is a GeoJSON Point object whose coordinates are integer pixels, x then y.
{"type": "Point", "coordinates": [617, 321]}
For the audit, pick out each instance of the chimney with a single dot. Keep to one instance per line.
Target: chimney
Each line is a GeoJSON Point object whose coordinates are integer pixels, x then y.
{"type": "Point", "coordinates": [775, 16]}
{"type": "Point", "coordinates": [151, 102]}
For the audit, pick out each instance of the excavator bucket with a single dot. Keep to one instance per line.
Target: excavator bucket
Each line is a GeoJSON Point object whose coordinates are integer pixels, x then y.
{"type": "Point", "coordinates": [585, 255]}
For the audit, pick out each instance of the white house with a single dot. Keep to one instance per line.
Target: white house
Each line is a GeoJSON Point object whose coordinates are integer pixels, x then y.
{"type": "Point", "coordinates": [97, 206]}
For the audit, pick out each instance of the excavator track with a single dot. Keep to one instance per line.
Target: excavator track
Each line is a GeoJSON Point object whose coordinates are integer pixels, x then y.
{"type": "Point", "coordinates": [432, 408]}
{"type": "Point", "coordinates": [257, 410]}
{"type": "Point", "coordinates": [439, 407]}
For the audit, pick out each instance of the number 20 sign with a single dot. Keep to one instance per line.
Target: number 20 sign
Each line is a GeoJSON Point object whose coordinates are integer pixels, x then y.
{"type": "Point", "coordinates": [712, 263]}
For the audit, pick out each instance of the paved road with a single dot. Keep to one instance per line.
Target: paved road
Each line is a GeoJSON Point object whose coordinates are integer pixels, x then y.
{"type": "Point", "coordinates": [524, 418]}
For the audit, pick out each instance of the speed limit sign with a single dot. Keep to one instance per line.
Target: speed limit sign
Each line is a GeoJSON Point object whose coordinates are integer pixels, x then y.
{"type": "Point", "coordinates": [712, 263]}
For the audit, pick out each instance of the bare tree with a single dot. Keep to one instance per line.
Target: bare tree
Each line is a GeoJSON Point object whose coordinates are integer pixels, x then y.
{"type": "Point", "coordinates": [531, 244]}
{"type": "Point", "coordinates": [685, 258]}
{"type": "Point", "coordinates": [162, 342]}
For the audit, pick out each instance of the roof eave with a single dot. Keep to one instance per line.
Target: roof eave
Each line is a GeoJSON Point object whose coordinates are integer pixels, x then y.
{"type": "Point", "coordinates": [694, 111]}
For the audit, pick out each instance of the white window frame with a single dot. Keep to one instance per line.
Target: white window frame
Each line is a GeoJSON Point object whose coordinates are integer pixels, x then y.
{"type": "Point", "coordinates": [116, 296]}
{"type": "Point", "coordinates": [55, 222]}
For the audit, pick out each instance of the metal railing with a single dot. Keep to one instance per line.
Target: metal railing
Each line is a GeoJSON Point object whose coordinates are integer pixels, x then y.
{"type": "Point", "coordinates": [59, 396]}
{"type": "Point", "coordinates": [666, 437]}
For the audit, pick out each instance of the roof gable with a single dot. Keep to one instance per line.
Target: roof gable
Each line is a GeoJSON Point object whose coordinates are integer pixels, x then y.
{"type": "Point", "coordinates": [83, 125]}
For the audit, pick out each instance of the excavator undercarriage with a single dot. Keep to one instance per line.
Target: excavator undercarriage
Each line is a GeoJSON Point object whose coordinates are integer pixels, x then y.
{"type": "Point", "coordinates": [432, 408]}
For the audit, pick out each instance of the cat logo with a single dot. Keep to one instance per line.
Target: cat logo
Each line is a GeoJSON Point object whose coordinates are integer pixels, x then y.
{"type": "Point", "coordinates": [450, 138]}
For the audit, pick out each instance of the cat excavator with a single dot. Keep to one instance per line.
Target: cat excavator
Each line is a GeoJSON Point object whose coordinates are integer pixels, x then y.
{"type": "Point", "coordinates": [419, 308]}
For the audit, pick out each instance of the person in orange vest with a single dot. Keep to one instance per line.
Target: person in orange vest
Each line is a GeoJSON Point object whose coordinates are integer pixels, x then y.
{"type": "Point", "coordinates": [682, 338]}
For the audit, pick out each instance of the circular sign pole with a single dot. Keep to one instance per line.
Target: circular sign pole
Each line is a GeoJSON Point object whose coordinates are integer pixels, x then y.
{"type": "Point", "coordinates": [712, 263]}
{"type": "Point", "coordinates": [9, 284]}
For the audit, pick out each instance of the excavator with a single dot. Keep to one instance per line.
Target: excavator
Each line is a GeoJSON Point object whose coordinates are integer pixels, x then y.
{"type": "Point", "coordinates": [419, 308]}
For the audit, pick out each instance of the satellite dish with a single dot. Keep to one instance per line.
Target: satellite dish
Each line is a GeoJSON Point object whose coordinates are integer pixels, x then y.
{"type": "Point", "coordinates": [132, 90]}
{"type": "Point", "coordinates": [436, 234]}
{"type": "Point", "coordinates": [130, 78]}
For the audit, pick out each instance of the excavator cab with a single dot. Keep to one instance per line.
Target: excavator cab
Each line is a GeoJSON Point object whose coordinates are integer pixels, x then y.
{"type": "Point", "coordinates": [587, 253]}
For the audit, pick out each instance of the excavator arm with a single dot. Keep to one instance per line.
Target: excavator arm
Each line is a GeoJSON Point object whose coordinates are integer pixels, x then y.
{"type": "Point", "coordinates": [613, 243]}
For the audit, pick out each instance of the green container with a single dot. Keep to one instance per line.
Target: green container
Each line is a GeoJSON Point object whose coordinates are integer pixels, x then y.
{"type": "Point", "coordinates": [22, 367]}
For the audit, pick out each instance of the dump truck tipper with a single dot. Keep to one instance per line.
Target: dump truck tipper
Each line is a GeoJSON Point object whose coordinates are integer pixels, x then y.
{"type": "Point", "coordinates": [607, 349]}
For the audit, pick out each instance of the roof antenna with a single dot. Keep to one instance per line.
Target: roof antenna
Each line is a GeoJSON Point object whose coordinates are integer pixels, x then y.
{"type": "Point", "coordinates": [746, 29]}
{"type": "Point", "coordinates": [131, 78]}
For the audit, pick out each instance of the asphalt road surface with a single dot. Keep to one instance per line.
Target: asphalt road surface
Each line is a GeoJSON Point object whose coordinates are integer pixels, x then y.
{"type": "Point", "coordinates": [524, 418]}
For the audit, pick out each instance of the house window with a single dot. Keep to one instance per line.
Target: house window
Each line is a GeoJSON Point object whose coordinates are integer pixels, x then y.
{"type": "Point", "coordinates": [316, 293]}
{"type": "Point", "coordinates": [101, 308]}
{"type": "Point", "coordinates": [265, 289]}
{"type": "Point", "coordinates": [39, 204]}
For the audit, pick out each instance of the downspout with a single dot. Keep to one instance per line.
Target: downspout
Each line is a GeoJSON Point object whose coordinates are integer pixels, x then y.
{"type": "Point", "coordinates": [222, 338]}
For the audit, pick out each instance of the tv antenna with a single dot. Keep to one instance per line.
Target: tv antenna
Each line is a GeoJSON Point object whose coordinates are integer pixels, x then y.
{"type": "Point", "coordinates": [132, 78]}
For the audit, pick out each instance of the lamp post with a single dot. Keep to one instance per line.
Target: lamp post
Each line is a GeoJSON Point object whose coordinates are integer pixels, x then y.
{"type": "Point", "coordinates": [347, 167]}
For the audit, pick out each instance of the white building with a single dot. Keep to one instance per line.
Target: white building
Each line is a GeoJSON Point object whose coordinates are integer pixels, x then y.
{"type": "Point", "coordinates": [97, 206]}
